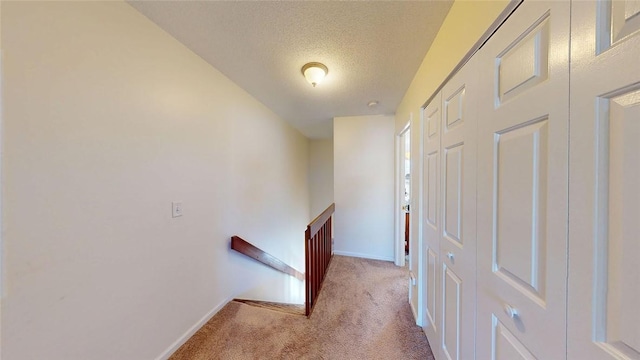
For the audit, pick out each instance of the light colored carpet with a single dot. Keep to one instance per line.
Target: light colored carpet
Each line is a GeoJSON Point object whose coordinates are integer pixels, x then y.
{"type": "Point", "coordinates": [362, 313]}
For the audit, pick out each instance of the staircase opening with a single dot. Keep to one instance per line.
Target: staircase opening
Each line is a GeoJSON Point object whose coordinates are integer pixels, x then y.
{"type": "Point", "coordinates": [318, 252]}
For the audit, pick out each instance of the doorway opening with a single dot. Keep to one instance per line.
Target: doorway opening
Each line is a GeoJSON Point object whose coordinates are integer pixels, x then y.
{"type": "Point", "coordinates": [406, 176]}
{"type": "Point", "coordinates": [403, 196]}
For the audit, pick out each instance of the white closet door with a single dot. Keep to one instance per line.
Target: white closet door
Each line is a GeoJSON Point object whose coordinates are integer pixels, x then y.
{"type": "Point", "coordinates": [458, 209]}
{"type": "Point", "coordinates": [604, 272]}
{"type": "Point", "coordinates": [522, 186]}
{"type": "Point", "coordinates": [431, 223]}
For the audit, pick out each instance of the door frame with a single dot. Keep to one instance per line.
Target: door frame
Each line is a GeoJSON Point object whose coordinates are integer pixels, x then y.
{"type": "Point", "coordinates": [2, 245]}
{"type": "Point", "coordinates": [399, 254]}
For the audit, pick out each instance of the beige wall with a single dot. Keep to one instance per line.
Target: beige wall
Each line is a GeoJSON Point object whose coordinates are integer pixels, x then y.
{"type": "Point", "coordinates": [320, 175]}
{"type": "Point", "coordinates": [1, 222]}
{"type": "Point", "coordinates": [464, 25]}
{"type": "Point", "coordinates": [107, 120]}
{"type": "Point", "coordinates": [364, 186]}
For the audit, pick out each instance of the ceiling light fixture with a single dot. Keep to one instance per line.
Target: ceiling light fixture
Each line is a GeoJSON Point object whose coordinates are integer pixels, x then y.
{"type": "Point", "coordinates": [314, 72]}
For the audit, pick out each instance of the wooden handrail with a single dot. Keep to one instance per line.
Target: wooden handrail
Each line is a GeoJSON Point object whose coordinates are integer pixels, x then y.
{"type": "Point", "coordinates": [242, 246]}
{"type": "Point", "coordinates": [321, 219]}
{"type": "Point", "coordinates": [318, 253]}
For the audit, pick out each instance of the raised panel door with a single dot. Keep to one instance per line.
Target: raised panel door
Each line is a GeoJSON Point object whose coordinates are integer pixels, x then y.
{"type": "Point", "coordinates": [522, 185]}
{"type": "Point", "coordinates": [458, 204]}
{"type": "Point", "coordinates": [432, 117]}
{"type": "Point", "coordinates": [604, 198]}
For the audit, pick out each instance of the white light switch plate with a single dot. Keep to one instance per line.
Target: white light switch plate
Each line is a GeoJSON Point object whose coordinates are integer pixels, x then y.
{"type": "Point", "coordinates": [176, 209]}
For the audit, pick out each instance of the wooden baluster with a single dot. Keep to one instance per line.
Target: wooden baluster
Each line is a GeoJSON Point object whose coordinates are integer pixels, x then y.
{"type": "Point", "coordinates": [307, 269]}
{"type": "Point", "coordinates": [326, 247]}
{"type": "Point", "coordinates": [317, 267]}
{"type": "Point", "coordinates": [320, 253]}
{"type": "Point", "coordinates": [330, 235]}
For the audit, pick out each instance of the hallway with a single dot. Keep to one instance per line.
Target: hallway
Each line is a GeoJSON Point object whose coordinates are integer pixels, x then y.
{"type": "Point", "coordinates": [362, 313]}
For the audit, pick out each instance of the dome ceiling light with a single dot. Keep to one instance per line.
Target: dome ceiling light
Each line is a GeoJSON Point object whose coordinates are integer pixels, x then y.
{"type": "Point", "coordinates": [314, 72]}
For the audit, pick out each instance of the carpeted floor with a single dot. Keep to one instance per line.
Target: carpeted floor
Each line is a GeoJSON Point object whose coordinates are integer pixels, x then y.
{"type": "Point", "coordinates": [362, 313]}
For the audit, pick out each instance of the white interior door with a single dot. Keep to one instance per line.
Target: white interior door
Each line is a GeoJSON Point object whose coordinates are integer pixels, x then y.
{"type": "Point", "coordinates": [604, 272]}
{"type": "Point", "coordinates": [431, 223]}
{"type": "Point", "coordinates": [522, 185]}
{"type": "Point", "coordinates": [458, 209]}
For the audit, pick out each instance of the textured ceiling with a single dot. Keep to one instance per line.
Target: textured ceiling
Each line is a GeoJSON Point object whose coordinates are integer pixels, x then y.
{"type": "Point", "coordinates": [372, 50]}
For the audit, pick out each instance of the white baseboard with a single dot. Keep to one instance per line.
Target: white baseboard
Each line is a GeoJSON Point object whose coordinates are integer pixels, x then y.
{"type": "Point", "coordinates": [415, 315]}
{"type": "Point", "coordinates": [365, 256]}
{"type": "Point", "coordinates": [192, 330]}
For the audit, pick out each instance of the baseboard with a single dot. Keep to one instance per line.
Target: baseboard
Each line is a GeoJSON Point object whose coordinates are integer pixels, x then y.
{"type": "Point", "coordinates": [192, 330]}
{"type": "Point", "coordinates": [365, 256]}
{"type": "Point", "coordinates": [413, 311]}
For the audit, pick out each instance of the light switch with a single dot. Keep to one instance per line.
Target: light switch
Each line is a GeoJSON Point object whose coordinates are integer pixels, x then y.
{"type": "Point", "coordinates": [176, 209]}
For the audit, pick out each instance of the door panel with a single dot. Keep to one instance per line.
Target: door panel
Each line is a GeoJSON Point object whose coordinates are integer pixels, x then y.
{"type": "Point", "coordinates": [432, 188]}
{"type": "Point", "coordinates": [525, 62]}
{"type": "Point", "coordinates": [604, 281]}
{"type": "Point", "coordinates": [452, 285]}
{"type": "Point", "coordinates": [619, 21]}
{"type": "Point", "coordinates": [506, 345]}
{"type": "Point", "coordinates": [432, 115]}
{"type": "Point", "coordinates": [520, 197]}
{"type": "Point", "coordinates": [522, 185]}
{"type": "Point", "coordinates": [431, 286]}
{"type": "Point", "coordinates": [458, 243]}
{"type": "Point", "coordinates": [454, 105]}
{"type": "Point", "coordinates": [623, 276]}
{"type": "Point", "coordinates": [453, 192]}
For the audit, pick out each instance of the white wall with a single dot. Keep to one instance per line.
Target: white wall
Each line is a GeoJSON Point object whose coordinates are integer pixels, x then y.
{"type": "Point", "coordinates": [108, 120]}
{"type": "Point", "coordinates": [364, 186]}
{"type": "Point", "coordinates": [320, 175]}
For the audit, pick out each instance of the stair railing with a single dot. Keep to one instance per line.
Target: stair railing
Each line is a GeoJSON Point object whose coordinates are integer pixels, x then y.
{"type": "Point", "coordinates": [244, 247]}
{"type": "Point", "coordinates": [318, 252]}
